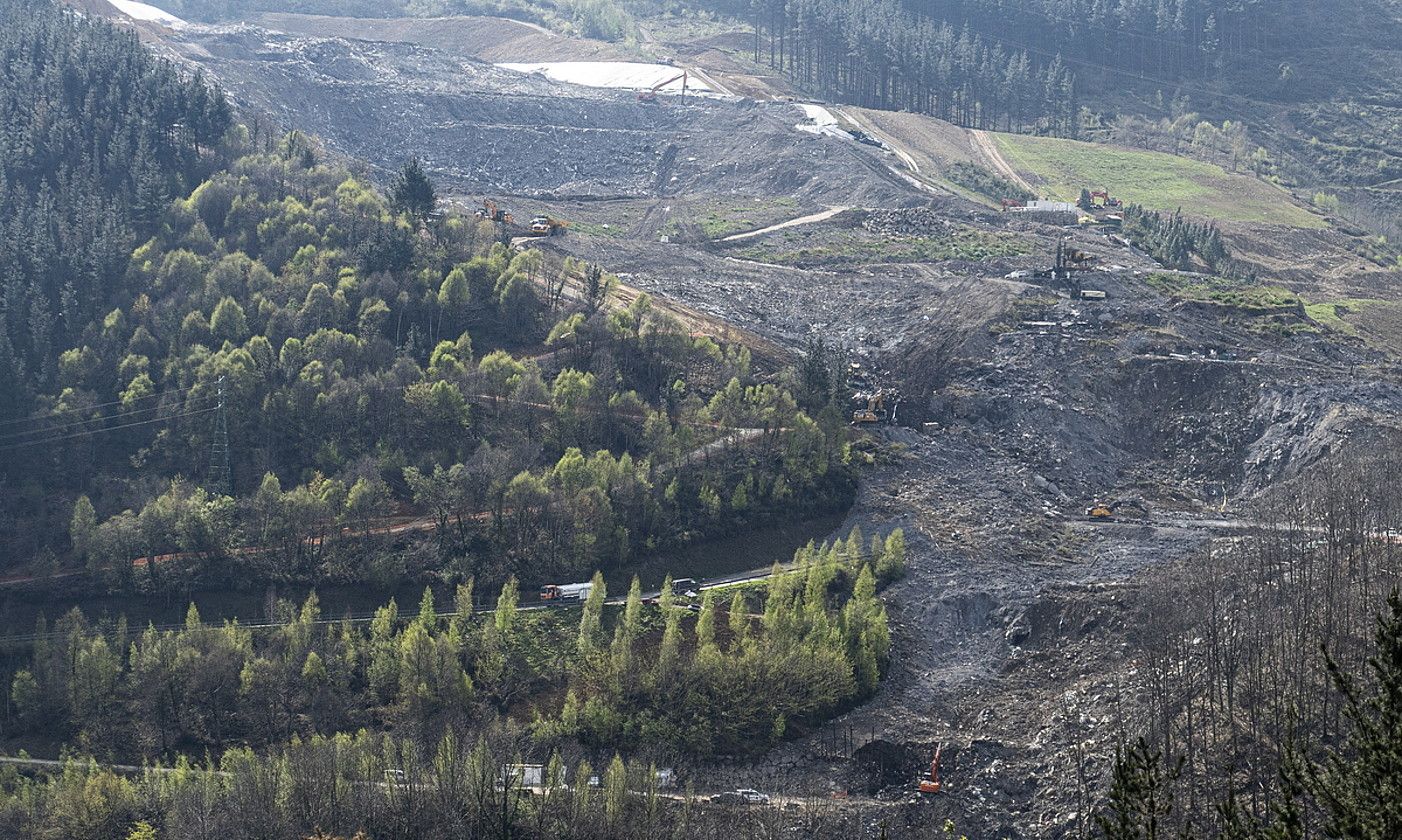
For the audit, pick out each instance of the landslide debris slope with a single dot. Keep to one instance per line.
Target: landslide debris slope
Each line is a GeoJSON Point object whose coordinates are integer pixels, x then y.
{"type": "Point", "coordinates": [1014, 629]}
{"type": "Point", "coordinates": [482, 129]}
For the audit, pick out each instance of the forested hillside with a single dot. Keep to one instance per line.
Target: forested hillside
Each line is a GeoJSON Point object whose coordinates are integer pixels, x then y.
{"type": "Point", "coordinates": [97, 136]}
{"type": "Point", "coordinates": [265, 369]}
{"type": "Point", "coordinates": [1307, 91]}
{"type": "Point", "coordinates": [981, 63]}
{"type": "Point", "coordinates": [1276, 711]}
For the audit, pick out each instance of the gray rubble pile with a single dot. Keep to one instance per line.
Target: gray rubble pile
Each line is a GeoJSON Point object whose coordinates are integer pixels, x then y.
{"type": "Point", "coordinates": [907, 221]}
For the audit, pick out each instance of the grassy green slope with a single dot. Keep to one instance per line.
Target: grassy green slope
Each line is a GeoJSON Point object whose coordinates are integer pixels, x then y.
{"type": "Point", "coordinates": [1152, 179]}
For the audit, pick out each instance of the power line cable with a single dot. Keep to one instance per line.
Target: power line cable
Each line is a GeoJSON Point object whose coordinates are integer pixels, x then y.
{"type": "Point", "coordinates": [91, 432]}
{"type": "Point", "coordinates": [10, 437]}
{"type": "Point", "coordinates": [92, 407]}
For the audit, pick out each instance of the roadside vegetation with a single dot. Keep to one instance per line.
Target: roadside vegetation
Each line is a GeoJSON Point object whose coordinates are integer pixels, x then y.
{"type": "Point", "coordinates": [366, 785]}
{"type": "Point", "coordinates": [386, 704]}
{"type": "Point", "coordinates": [988, 184]}
{"type": "Point", "coordinates": [722, 220]}
{"type": "Point", "coordinates": [730, 673]}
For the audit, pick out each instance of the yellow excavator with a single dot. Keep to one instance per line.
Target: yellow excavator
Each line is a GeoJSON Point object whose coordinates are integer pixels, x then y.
{"type": "Point", "coordinates": [875, 411]}
{"type": "Point", "coordinates": [1103, 512]}
{"type": "Point", "coordinates": [492, 213]}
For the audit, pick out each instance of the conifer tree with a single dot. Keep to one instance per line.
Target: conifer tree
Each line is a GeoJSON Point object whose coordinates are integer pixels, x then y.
{"type": "Point", "coordinates": [706, 625]}
{"type": "Point", "coordinates": [413, 193]}
{"type": "Point", "coordinates": [505, 615]}
{"type": "Point", "coordinates": [739, 619]}
{"type": "Point", "coordinates": [1141, 795]}
{"type": "Point", "coordinates": [1357, 787]}
{"type": "Point", "coordinates": [591, 621]}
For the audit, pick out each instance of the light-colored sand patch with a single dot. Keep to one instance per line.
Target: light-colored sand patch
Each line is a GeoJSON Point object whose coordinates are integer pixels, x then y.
{"type": "Point", "coordinates": [144, 11]}
{"type": "Point", "coordinates": [627, 75]}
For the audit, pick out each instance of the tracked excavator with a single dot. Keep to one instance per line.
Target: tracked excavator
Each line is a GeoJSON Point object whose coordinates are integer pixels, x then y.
{"type": "Point", "coordinates": [492, 213]}
{"type": "Point", "coordinates": [933, 784]}
{"type": "Point", "coordinates": [651, 94]}
{"type": "Point", "coordinates": [1102, 198]}
{"type": "Point", "coordinates": [875, 411]}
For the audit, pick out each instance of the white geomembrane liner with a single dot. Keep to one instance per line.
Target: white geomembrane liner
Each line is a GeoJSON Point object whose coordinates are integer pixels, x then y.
{"type": "Point", "coordinates": [628, 75]}
{"type": "Point", "coordinates": [819, 120]}
{"type": "Point", "coordinates": [143, 11]}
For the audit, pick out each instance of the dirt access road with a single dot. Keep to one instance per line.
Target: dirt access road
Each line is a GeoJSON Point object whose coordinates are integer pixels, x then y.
{"type": "Point", "coordinates": [989, 147]}
{"type": "Point", "coordinates": [811, 218]}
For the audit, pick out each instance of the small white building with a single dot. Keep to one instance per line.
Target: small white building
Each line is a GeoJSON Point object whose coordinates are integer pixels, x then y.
{"type": "Point", "coordinates": [1041, 206]}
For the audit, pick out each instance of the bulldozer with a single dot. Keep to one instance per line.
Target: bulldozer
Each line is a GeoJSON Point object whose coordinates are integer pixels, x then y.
{"type": "Point", "coordinates": [546, 226]}
{"type": "Point", "coordinates": [875, 411]}
{"type": "Point", "coordinates": [932, 784]}
{"type": "Point", "coordinates": [489, 211]}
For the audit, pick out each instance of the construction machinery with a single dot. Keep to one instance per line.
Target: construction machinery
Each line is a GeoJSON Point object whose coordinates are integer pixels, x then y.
{"type": "Point", "coordinates": [1069, 263]}
{"type": "Point", "coordinates": [650, 95]}
{"type": "Point", "coordinates": [932, 784]}
{"type": "Point", "coordinates": [490, 212]}
{"type": "Point", "coordinates": [546, 226]}
{"type": "Point", "coordinates": [875, 411]}
{"type": "Point", "coordinates": [1102, 198]}
{"type": "Point", "coordinates": [1103, 512]}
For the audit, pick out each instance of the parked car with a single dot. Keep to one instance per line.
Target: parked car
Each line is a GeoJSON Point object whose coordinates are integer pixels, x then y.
{"type": "Point", "coordinates": [681, 588]}
{"type": "Point", "coordinates": [741, 796]}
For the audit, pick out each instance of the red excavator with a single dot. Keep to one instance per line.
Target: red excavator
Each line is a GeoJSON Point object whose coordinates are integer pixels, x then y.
{"type": "Point", "coordinates": [932, 784]}
{"type": "Point", "coordinates": [651, 95]}
{"type": "Point", "coordinates": [1102, 198]}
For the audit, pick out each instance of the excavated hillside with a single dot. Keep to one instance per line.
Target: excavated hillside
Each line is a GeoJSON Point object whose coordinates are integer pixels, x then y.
{"type": "Point", "coordinates": [1020, 405]}
{"type": "Point", "coordinates": [480, 128]}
